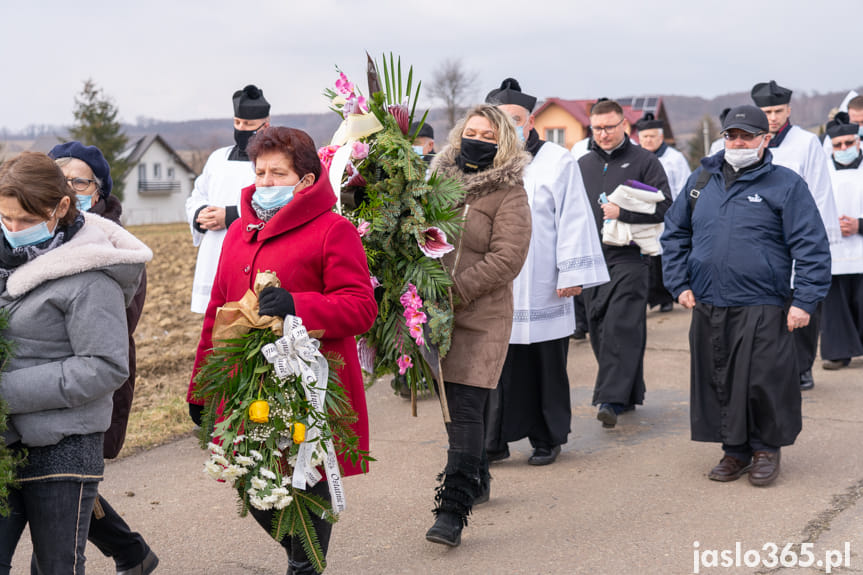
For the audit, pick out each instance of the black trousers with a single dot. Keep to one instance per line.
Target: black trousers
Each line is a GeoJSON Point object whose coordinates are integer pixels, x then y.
{"type": "Point", "coordinates": [112, 536]}
{"type": "Point", "coordinates": [532, 398]}
{"type": "Point", "coordinates": [842, 318]}
{"type": "Point", "coordinates": [466, 430]}
{"type": "Point", "coordinates": [657, 294]}
{"type": "Point", "coordinates": [806, 341]}
{"type": "Point", "coordinates": [580, 313]}
{"type": "Point", "coordinates": [617, 318]}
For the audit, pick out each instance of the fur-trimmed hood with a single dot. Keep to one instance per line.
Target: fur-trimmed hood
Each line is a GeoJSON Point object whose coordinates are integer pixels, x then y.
{"type": "Point", "coordinates": [99, 245]}
{"type": "Point", "coordinates": [478, 184]}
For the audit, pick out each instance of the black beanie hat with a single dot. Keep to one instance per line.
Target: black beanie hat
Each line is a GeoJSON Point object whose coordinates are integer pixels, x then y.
{"type": "Point", "coordinates": [90, 155]}
{"type": "Point", "coordinates": [250, 104]}
{"type": "Point", "coordinates": [770, 94]}
{"type": "Point", "coordinates": [510, 93]}
{"type": "Point", "coordinates": [649, 122]}
{"type": "Point", "coordinates": [841, 125]}
{"type": "Point", "coordinates": [427, 131]}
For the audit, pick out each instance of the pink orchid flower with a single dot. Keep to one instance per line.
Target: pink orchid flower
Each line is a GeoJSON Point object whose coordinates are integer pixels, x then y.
{"type": "Point", "coordinates": [326, 154]}
{"type": "Point", "coordinates": [417, 333]}
{"type": "Point", "coordinates": [359, 150]}
{"type": "Point", "coordinates": [435, 244]}
{"type": "Point", "coordinates": [374, 281]}
{"type": "Point", "coordinates": [363, 228]}
{"type": "Point", "coordinates": [343, 85]}
{"type": "Point", "coordinates": [411, 299]}
{"type": "Point", "coordinates": [404, 362]}
{"type": "Point", "coordinates": [414, 317]}
{"type": "Point", "coordinates": [355, 105]}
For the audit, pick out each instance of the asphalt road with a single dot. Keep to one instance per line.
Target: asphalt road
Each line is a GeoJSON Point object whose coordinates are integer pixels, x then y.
{"type": "Point", "coordinates": [632, 500]}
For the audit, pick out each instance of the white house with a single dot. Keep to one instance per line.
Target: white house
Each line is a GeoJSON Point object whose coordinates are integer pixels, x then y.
{"type": "Point", "coordinates": [157, 183]}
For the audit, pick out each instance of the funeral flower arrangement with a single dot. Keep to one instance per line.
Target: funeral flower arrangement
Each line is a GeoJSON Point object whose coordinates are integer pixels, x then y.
{"type": "Point", "coordinates": [404, 218]}
{"type": "Point", "coordinates": [9, 461]}
{"type": "Point", "coordinates": [274, 411]}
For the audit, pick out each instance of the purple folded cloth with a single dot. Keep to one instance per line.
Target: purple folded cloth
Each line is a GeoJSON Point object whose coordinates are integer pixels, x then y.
{"type": "Point", "coordinates": [640, 186]}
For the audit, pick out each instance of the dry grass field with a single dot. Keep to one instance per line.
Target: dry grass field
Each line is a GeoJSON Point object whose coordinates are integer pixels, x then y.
{"type": "Point", "coordinates": [166, 338]}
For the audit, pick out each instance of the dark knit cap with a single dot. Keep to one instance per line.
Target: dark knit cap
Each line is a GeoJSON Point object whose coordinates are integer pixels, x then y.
{"type": "Point", "coordinates": [250, 104]}
{"type": "Point", "coordinates": [427, 131]}
{"type": "Point", "coordinates": [510, 93]}
{"type": "Point", "coordinates": [649, 122]}
{"type": "Point", "coordinates": [770, 94]}
{"type": "Point", "coordinates": [841, 125]}
{"type": "Point", "coordinates": [90, 155]}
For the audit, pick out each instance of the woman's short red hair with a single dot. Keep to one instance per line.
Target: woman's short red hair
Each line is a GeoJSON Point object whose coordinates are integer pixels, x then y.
{"type": "Point", "coordinates": [295, 144]}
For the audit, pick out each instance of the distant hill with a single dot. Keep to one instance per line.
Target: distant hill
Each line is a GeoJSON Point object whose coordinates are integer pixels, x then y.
{"type": "Point", "coordinates": [195, 139]}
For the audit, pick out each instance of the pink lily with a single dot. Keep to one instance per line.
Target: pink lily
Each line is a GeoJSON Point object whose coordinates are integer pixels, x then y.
{"type": "Point", "coordinates": [363, 228]}
{"type": "Point", "coordinates": [374, 281]}
{"type": "Point", "coordinates": [414, 317]}
{"type": "Point", "coordinates": [404, 362]}
{"type": "Point", "coordinates": [434, 244]}
{"type": "Point", "coordinates": [326, 153]}
{"type": "Point", "coordinates": [416, 332]}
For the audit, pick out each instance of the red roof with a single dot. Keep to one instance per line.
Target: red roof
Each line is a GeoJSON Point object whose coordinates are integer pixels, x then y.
{"type": "Point", "coordinates": [580, 110]}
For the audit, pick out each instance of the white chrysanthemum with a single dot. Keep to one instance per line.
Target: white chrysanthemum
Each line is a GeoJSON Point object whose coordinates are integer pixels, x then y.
{"type": "Point", "coordinates": [259, 503]}
{"type": "Point", "coordinates": [286, 481]}
{"type": "Point", "coordinates": [219, 459]}
{"type": "Point", "coordinates": [258, 483]}
{"type": "Point", "coordinates": [256, 455]}
{"type": "Point", "coordinates": [215, 448]}
{"type": "Point", "coordinates": [283, 502]}
{"type": "Point", "coordinates": [277, 453]}
{"type": "Point", "coordinates": [270, 499]}
{"type": "Point", "coordinates": [234, 471]}
{"type": "Point", "coordinates": [280, 492]}
{"type": "Point", "coordinates": [244, 460]}
{"type": "Point", "coordinates": [267, 473]}
{"type": "Point", "coordinates": [212, 469]}
{"type": "Point", "coordinates": [239, 439]}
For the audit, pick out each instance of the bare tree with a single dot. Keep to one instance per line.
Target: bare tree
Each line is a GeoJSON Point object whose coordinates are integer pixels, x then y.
{"type": "Point", "coordinates": [452, 84]}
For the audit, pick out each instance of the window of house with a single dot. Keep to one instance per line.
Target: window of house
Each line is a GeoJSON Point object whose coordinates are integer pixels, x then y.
{"type": "Point", "coordinates": [556, 135]}
{"type": "Point", "coordinates": [142, 172]}
{"type": "Point", "coordinates": [171, 173]}
{"type": "Point", "coordinates": [157, 170]}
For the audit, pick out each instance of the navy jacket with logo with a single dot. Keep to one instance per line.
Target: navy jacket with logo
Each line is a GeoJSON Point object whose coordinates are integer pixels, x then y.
{"type": "Point", "coordinates": [737, 246]}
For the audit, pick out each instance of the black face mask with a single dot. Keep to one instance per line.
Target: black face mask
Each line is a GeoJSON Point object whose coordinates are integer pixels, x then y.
{"type": "Point", "coordinates": [475, 155]}
{"type": "Point", "coordinates": [242, 137]}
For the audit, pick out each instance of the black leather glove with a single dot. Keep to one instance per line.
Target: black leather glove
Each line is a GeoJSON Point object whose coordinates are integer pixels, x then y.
{"type": "Point", "coordinates": [275, 301]}
{"type": "Point", "coordinates": [196, 412]}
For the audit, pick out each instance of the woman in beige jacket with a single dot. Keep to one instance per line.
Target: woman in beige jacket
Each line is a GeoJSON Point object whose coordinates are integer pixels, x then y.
{"type": "Point", "coordinates": [485, 155]}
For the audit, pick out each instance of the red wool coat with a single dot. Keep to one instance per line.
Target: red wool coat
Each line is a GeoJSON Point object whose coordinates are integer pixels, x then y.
{"type": "Point", "coordinates": [318, 257]}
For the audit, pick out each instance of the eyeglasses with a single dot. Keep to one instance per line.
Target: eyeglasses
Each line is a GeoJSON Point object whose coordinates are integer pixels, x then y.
{"type": "Point", "coordinates": [79, 184]}
{"type": "Point", "coordinates": [745, 136]}
{"type": "Point", "coordinates": [844, 144]}
{"type": "Point", "coordinates": [606, 129]}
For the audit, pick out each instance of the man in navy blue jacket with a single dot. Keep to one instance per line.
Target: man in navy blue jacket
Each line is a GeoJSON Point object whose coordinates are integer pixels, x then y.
{"type": "Point", "coordinates": [728, 249]}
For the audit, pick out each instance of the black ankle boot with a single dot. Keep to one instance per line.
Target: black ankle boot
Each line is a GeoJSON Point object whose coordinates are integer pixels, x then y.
{"type": "Point", "coordinates": [455, 497]}
{"type": "Point", "coordinates": [484, 481]}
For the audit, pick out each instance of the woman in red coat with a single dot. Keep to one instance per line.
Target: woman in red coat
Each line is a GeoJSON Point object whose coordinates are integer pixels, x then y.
{"type": "Point", "coordinates": [288, 227]}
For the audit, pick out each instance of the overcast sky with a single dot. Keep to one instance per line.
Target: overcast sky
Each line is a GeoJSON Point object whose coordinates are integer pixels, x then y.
{"type": "Point", "coordinates": [182, 60]}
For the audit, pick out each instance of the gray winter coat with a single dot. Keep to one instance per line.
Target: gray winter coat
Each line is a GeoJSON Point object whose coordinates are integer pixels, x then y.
{"type": "Point", "coordinates": [67, 321]}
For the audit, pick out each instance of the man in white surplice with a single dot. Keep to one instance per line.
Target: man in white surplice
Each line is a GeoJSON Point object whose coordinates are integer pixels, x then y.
{"type": "Point", "coordinates": [215, 201]}
{"type": "Point", "coordinates": [799, 150]}
{"type": "Point", "coordinates": [532, 398]}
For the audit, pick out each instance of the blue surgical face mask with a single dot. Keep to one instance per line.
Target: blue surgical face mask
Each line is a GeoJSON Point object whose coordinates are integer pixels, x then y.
{"type": "Point", "coordinates": [35, 234]}
{"type": "Point", "coordinates": [846, 156]}
{"type": "Point", "coordinates": [269, 197]}
{"type": "Point", "coordinates": [85, 202]}
{"type": "Point", "coordinates": [519, 131]}
{"type": "Point", "coordinates": [418, 150]}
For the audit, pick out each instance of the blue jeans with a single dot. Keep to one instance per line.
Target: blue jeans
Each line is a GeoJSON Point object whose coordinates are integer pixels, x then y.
{"type": "Point", "coordinates": [59, 516]}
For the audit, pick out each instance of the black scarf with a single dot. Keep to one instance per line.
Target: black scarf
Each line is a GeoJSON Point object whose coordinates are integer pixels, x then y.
{"type": "Point", "coordinates": [852, 166]}
{"type": "Point", "coordinates": [13, 258]}
{"type": "Point", "coordinates": [533, 143]}
{"type": "Point", "coordinates": [777, 140]}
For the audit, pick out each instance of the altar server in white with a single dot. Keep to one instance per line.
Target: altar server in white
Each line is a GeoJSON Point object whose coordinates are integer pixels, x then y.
{"type": "Point", "coordinates": [800, 151]}
{"type": "Point", "coordinates": [532, 398]}
{"type": "Point", "coordinates": [842, 319]}
{"type": "Point", "coordinates": [853, 106]}
{"type": "Point", "coordinates": [215, 201]}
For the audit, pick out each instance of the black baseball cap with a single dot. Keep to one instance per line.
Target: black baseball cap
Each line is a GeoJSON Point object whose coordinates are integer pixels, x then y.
{"type": "Point", "coordinates": [747, 118]}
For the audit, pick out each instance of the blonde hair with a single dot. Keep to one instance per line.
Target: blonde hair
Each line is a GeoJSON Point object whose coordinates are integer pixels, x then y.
{"type": "Point", "coordinates": [508, 144]}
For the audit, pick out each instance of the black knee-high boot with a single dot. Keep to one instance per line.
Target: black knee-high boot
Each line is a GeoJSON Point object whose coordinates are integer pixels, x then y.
{"type": "Point", "coordinates": [484, 480]}
{"type": "Point", "coordinates": [454, 498]}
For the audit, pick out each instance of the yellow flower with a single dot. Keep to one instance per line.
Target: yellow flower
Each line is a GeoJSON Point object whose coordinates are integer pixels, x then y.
{"type": "Point", "coordinates": [259, 411]}
{"type": "Point", "coordinates": [299, 432]}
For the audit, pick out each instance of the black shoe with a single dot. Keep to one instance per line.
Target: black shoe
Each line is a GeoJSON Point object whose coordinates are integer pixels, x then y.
{"type": "Point", "coordinates": [579, 334]}
{"type": "Point", "coordinates": [498, 455]}
{"type": "Point", "coordinates": [607, 416]}
{"type": "Point", "coordinates": [147, 566]}
{"type": "Point", "coordinates": [806, 381]}
{"type": "Point", "coordinates": [544, 455]}
{"type": "Point", "coordinates": [833, 364]}
{"type": "Point", "coordinates": [446, 529]}
{"type": "Point", "coordinates": [666, 307]}
{"type": "Point", "coordinates": [628, 407]}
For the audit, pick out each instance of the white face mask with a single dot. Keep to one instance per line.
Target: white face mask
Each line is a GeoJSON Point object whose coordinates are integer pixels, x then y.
{"type": "Point", "coordinates": [740, 158]}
